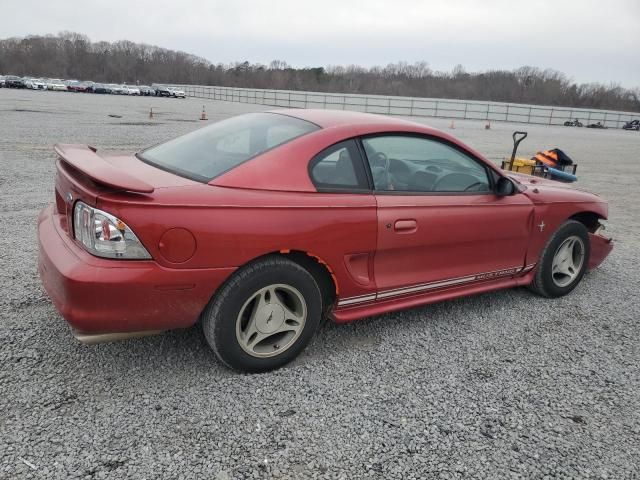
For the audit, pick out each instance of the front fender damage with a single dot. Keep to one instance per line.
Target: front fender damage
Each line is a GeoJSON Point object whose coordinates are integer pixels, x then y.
{"type": "Point", "coordinates": [601, 246]}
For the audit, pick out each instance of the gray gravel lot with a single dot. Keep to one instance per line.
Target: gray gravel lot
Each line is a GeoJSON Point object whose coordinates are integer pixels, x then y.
{"type": "Point", "coordinates": [501, 385]}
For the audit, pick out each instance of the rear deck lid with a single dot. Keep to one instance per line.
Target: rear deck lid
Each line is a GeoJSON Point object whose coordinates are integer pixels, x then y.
{"type": "Point", "coordinates": [83, 174]}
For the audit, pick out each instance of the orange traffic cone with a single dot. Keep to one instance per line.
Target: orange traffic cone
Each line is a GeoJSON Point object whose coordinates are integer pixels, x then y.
{"type": "Point", "coordinates": [203, 115]}
{"type": "Point", "coordinates": [151, 112]}
{"type": "Point", "coordinates": [487, 126]}
{"type": "Point", "coordinates": [453, 125]}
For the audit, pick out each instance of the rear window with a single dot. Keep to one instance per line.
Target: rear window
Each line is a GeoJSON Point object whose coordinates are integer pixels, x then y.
{"type": "Point", "coordinates": [211, 151]}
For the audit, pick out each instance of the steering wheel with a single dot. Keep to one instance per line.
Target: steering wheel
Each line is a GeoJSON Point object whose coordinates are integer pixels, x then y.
{"type": "Point", "coordinates": [456, 180]}
{"type": "Point", "coordinates": [473, 185]}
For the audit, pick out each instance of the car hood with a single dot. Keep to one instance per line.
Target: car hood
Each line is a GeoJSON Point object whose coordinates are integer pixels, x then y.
{"type": "Point", "coordinates": [544, 190]}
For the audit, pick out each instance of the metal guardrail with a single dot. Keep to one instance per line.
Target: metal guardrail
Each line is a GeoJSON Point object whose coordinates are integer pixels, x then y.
{"type": "Point", "coordinates": [413, 106]}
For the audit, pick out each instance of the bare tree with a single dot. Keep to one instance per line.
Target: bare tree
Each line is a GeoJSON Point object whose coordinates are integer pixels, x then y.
{"type": "Point", "coordinates": [73, 55]}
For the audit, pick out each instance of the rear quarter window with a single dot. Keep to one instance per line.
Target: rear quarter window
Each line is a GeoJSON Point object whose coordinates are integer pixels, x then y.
{"type": "Point", "coordinates": [211, 151]}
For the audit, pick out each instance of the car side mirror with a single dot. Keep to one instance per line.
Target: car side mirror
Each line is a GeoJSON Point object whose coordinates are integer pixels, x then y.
{"type": "Point", "coordinates": [504, 187]}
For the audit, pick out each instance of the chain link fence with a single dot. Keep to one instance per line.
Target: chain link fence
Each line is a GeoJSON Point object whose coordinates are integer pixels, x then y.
{"type": "Point", "coordinates": [414, 106]}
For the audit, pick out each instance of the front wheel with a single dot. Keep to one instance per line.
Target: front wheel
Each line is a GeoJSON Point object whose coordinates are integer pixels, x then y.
{"type": "Point", "coordinates": [563, 261]}
{"type": "Point", "coordinates": [263, 316]}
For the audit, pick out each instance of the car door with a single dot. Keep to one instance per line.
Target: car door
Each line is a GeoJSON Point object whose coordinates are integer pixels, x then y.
{"type": "Point", "coordinates": [439, 222]}
{"type": "Point", "coordinates": [339, 173]}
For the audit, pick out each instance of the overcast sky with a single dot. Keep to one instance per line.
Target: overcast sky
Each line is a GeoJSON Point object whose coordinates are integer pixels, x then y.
{"type": "Point", "coordinates": [589, 40]}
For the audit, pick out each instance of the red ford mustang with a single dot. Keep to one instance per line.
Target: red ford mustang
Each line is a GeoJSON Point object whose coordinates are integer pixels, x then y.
{"type": "Point", "coordinates": [262, 224]}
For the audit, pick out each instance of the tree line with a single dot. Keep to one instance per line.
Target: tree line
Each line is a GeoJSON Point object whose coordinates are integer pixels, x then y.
{"type": "Point", "coordinates": [74, 56]}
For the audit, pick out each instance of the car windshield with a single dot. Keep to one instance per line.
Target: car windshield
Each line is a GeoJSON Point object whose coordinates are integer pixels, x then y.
{"type": "Point", "coordinates": [209, 152]}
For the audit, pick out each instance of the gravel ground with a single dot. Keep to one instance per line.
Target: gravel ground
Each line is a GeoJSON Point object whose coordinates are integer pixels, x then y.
{"type": "Point", "coordinates": [501, 385]}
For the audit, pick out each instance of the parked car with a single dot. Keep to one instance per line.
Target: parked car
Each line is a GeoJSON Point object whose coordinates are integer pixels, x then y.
{"type": "Point", "coordinates": [162, 90]}
{"type": "Point", "coordinates": [100, 88]}
{"type": "Point", "coordinates": [12, 81]}
{"type": "Point", "coordinates": [632, 125]}
{"type": "Point", "coordinates": [56, 85]}
{"type": "Point", "coordinates": [35, 84]}
{"type": "Point", "coordinates": [358, 215]}
{"type": "Point", "coordinates": [117, 89]}
{"type": "Point", "coordinates": [130, 90]}
{"type": "Point", "coordinates": [76, 86]}
{"type": "Point", "coordinates": [177, 92]}
{"type": "Point", "coordinates": [146, 90]}
{"type": "Point", "coordinates": [2, 81]}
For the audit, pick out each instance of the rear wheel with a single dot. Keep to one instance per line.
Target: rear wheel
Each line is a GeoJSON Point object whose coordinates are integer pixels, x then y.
{"type": "Point", "coordinates": [264, 316]}
{"type": "Point", "coordinates": [563, 261]}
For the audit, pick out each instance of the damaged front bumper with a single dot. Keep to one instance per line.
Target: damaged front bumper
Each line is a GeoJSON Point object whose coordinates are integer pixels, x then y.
{"type": "Point", "coordinates": [601, 246]}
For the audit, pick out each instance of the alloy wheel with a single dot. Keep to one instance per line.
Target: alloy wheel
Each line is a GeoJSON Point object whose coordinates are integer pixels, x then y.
{"type": "Point", "coordinates": [271, 320]}
{"type": "Point", "coordinates": [567, 261]}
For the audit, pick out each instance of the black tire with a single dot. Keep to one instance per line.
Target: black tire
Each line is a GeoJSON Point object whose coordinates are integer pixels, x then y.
{"type": "Point", "coordinates": [222, 313]}
{"type": "Point", "coordinates": [543, 282]}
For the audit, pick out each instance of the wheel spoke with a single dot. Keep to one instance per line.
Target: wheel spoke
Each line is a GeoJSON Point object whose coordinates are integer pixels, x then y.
{"type": "Point", "coordinates": [559, 265]}
{"type": "Point", "coordinates": [565, 251]}
{"type": "Point", "coordinates": [251, 336]}
{"type": "Point", "coordinates": [293, 320]}
{"type": "Point", "coordinates": [290, 314]}
{"type": "Point", "coordinates": [289, 325]}
{"type": "Point", "coordinates": [560, 269]}
{"type": "Point", "coordinates": [265, 296]}
{"type": "Point", "coordinates": [574, 262]}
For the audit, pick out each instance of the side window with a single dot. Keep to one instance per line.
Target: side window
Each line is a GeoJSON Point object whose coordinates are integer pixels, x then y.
{"type": "Point", "coordinates": [339, 167]}
{"type": "Point", "coordinates": [418, 164]}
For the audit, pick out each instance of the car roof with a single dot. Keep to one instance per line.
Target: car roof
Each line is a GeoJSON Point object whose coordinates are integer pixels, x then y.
{"type": "Point", "coordinates": [334, 118]}
{"type": "Point", "coordinates": [285, 167]}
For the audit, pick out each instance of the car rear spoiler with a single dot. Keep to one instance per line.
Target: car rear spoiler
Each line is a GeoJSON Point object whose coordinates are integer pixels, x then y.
{"type": "Point", "coordinates": [85, 159]}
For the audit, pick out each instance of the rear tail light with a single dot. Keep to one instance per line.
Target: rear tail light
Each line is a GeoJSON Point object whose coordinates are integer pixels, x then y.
{"type": "Point", "coordinates": [104, 235]}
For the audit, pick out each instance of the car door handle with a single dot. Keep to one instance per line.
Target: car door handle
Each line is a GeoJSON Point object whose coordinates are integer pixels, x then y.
{"type": "Point", "coordinates": [405, 226]}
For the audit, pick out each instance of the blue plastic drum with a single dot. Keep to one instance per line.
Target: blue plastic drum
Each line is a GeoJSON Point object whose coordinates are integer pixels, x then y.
{"type": "Point", "coordinates": [556, 174]}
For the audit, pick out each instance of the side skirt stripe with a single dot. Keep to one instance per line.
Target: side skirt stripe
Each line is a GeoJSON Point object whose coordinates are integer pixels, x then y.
{"type": "Point", "coordinates": [433, 285]}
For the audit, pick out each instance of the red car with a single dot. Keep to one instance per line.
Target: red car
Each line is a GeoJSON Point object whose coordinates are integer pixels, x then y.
{"type": "Point", "coordinates": [262, 224]}
{"type": "Point", "coordinates": [78, 87]}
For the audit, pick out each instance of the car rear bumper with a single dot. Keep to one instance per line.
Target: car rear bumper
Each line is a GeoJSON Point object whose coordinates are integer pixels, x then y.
{"type": "Point", "coordinates": [100, 296]}
{"type": "Point", "coordinates": [600, 248]}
